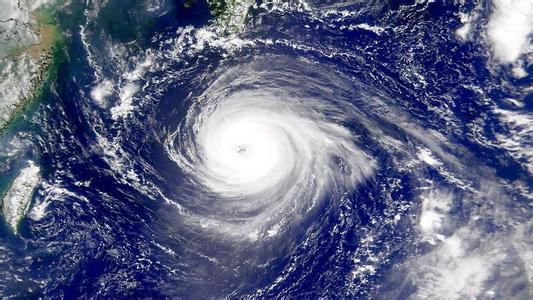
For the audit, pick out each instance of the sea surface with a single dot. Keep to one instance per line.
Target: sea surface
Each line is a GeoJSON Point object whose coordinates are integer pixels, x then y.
{"type": "Point", "coordinates": [338, 149]}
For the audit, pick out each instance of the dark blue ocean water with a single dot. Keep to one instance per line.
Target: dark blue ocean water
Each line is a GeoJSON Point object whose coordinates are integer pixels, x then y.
{"type": "Point", "coordinates": [107, 233]}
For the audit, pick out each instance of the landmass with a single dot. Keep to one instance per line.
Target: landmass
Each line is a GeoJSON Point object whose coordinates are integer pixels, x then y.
{"type": "Point", "coordinates": [17, 199]}
{"type": "Point", "coordinates": [28, 36]}
{"type": "Point", "coordinates": [230, 15]}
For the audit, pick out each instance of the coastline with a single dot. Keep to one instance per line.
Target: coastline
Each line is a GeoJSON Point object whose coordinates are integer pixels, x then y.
{"type": "Point", "coordinates": [35, 62]}
{"type": "Point", "coordinates": [25, 73]}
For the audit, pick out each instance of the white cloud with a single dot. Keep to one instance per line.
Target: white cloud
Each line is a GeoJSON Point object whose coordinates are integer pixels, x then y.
{"type": "Point", "coordinates": [426, 156]}
{"type": "Point", "coordinates": [458, 268]}
{"type": "Point", "coordinates": [101, 91]}
{"type": "Point", "coordinates": [518, 139]}
{"type": "Point", "coordinates": [509, 28]}
{"type": "Point", "coordinates": [125, 107]}
{"type": "Point", "coordinates": [435, 206]}
{"type": "Point", "coordinates": [463, 31]}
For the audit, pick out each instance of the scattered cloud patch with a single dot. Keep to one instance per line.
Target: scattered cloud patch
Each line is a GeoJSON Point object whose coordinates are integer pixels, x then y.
{"type": "Point", "coordinates": [101, 91]}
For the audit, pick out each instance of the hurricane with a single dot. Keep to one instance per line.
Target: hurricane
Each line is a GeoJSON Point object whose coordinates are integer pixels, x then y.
{"type": "Point", "coordinates": [266, 146]}
{"type": "Point", "coordinates": [272, 149]}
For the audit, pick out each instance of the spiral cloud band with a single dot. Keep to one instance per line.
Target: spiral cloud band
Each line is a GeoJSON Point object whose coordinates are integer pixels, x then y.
{"type": "Point", "coordinates": [265, 151]}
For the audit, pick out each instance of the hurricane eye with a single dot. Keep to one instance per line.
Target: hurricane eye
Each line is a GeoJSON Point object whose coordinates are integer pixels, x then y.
{"type": "Point", "coordinates": [242, 149]}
